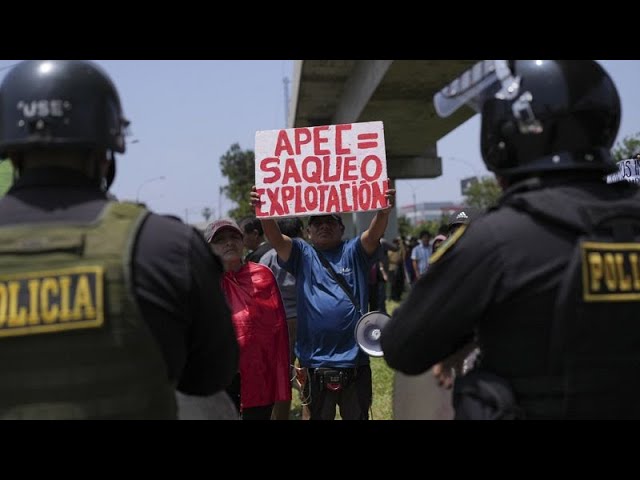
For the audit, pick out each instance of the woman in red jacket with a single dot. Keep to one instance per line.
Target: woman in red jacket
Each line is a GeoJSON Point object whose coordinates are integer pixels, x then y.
{"type": "Point", "coordinates": [260, 323]}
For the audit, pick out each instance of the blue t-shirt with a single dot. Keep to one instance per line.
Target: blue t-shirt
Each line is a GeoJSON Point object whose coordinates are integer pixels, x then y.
{"type": "Point", "coordinates": [421, 254]}
{"type": "Point", "coordinates": [326, 317]}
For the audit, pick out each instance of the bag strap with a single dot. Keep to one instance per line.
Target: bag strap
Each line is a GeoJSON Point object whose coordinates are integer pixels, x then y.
{"type": "Point", "coordinates": [339, 280]}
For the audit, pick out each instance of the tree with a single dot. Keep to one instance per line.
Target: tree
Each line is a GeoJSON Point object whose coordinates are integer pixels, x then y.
{"type": "Point", "coordinates": [406, 229]}
{"type": "Point", "coordinates": [404, 226]}
{"type": "Point", "coordinates": [628, 147]}
{"type": "Point", "coordinates": [483, 194]}
{"type": "Point", "coordinates": [206, 213]}
{"type": "Point", "coordinates": [239, 167]}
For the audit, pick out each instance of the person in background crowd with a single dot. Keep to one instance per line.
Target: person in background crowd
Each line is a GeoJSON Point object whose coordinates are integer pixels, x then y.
{"type": "Point", "coordinates": [410, 272]}
{"type": "Point", "coordinates": [377, 280]}
{"type": "Point", "coordinates": [293, 228]}
{"type": "Point", "coordinates": [253, 239]}
{"type": "Point", "coordinates": [379, 277]}
{"type": "Point", "coordinates": [437, 241]}
{"type": "Point", "coordinates": [396, 269]}
{"type": "Point", "coordinates": [420, 254]}
{"type": "Point", "coordinates": [387, 247]}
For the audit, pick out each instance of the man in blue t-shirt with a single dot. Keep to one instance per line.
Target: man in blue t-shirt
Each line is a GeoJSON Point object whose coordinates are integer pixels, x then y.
{"type": "Point", "coordinates": [420, 254]}
{"type": "Point", "coordinates": [338, 371]}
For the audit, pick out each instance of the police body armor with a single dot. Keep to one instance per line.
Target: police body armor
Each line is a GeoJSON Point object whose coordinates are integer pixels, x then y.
{"type": "Point", "coordinates": [73, 344]}
{"type": "Point", "coordinates": [594, 356]}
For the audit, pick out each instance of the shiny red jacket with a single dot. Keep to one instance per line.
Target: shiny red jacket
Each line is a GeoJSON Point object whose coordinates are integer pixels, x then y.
{"type": "Point", "coordinates": [261, 328]}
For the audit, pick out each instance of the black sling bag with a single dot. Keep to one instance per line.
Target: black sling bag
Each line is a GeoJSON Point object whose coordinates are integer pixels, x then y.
{"type": "Point", "coordinates": [339, 280]}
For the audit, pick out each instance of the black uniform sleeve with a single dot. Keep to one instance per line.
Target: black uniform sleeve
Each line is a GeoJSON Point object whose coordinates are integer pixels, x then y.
{"type": "Point", "coordinates": [212, 344]}
{"type": "Point", "coordinates": [445, 305]}
{"type": "Point", "coordinates": [177, 283]}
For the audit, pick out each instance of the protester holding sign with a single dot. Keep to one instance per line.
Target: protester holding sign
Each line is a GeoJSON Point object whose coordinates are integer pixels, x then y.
{"type": "Point", "coordinates": [327, 170]}
{"type": "Point", "coordinates": [339, 373]}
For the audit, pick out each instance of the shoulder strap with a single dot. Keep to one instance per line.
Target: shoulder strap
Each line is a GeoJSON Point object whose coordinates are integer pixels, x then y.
{"type": "Point", "coordinates": [339, 280]}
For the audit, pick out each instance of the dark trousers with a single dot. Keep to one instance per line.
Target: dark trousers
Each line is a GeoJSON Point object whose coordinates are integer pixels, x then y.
{"type": "Point", "coordinates": [233, 390]}
{"type": "Point", "coordinates": [354, 399]}
{"type": "Point", "coordinates": [257, 413]}
{"type": "Point", "coordinates": [396, 279]}
{"type": "Point", "coordinates": [252, 413]}
{"type": "Point", "coordinates": [378, 297]}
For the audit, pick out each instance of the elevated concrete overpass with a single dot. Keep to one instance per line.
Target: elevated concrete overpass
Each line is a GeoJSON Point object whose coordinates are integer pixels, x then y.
{"type": "Point", "coordinates": [396, 92]}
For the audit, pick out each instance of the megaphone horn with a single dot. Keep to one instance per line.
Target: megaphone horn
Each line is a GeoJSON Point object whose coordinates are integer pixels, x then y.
{"type": "Point", "coordinates": [368, 332]}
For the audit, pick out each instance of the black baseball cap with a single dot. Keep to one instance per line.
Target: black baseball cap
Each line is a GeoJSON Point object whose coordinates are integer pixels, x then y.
{"type": "Point", "coordinates": [460, 218]}
{"type": "Point", "coordinates": [464, 217]}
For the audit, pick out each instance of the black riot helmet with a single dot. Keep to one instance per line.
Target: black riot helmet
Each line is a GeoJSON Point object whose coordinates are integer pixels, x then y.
{"type": "Point", "coordinates": [60, 104]}
{"type": "Point", "coordinates": [539, 115]}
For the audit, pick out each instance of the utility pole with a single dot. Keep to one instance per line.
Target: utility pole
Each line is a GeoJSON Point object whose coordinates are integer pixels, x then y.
{"type": "Point", "coordinates": [286, 82]}
{"type": "Point", "coordinates": [220, 202]}
{"type": "Point", "coordinates": [415, 204]}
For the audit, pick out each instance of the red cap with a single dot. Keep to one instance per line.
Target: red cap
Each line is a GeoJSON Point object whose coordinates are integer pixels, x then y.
{"type": "Point", "coordinates": [218, 225]}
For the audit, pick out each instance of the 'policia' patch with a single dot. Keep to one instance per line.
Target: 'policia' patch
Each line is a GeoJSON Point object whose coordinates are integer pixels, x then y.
{"type": "Point", "coordinates": [51, 301]}
{"type": "Point", "coordinates": [447, 244]}
{"type": "Point", "coordinates": [610, 272]}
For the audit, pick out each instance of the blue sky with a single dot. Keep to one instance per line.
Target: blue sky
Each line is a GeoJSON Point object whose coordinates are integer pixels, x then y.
{"type": "Point", "coordinates": [185, 114]}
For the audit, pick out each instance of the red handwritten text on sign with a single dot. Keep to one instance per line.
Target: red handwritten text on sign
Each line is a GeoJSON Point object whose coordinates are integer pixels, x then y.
{"type": "Point", "coordinates": [315, 170]}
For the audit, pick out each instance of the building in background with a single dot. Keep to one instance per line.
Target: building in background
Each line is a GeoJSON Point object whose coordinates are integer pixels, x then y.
{"type": "Point", "coordinates": [427, 211]}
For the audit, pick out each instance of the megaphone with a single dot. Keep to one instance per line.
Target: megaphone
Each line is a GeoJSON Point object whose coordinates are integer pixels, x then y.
{"type": "Point", "coordinates": [368, 332]}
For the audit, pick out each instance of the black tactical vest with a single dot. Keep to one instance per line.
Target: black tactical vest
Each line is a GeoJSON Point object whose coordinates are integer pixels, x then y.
{"type": "Point", "coordinates": [73, 344]}
{"type": "Point", "coordinates": [594, 361]}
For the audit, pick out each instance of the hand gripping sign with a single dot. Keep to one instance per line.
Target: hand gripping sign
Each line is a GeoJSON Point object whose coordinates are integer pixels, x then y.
{"type": "Point", "coordinates": [317, 170]}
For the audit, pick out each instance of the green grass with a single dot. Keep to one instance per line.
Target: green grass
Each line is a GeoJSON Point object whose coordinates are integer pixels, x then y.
{"type": "Point", "coordinates": [6, 176]}
{"type": "Point", "coordinates": [382, 407]}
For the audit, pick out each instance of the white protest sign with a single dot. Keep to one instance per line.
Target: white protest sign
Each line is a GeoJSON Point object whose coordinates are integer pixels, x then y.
{"type": "Point", "coordinates": [316, 170]}
{"type": "Point", "coordinates": [628, 170]}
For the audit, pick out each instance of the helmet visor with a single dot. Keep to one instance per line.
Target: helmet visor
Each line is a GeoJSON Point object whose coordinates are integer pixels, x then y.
{"type": "Point", "coordinates": [486, 79]}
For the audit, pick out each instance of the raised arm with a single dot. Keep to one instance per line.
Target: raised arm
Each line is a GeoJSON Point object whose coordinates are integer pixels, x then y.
{"type": "Point", "coordinates": [280, 242]}
{"type": "Point", "coordinates": [370, 238]}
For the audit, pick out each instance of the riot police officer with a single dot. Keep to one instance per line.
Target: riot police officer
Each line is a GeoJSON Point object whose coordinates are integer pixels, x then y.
{"type": "Point", "coordinates": [106, 309]}
{"type": "Point", "coordinates": [549, 280]}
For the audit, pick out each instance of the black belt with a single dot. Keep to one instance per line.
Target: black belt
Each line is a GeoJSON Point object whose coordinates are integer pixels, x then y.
{"type": "Point", "coordinates": [334, 379]}
{"type": "Point", "coordinates": [320, 370]}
